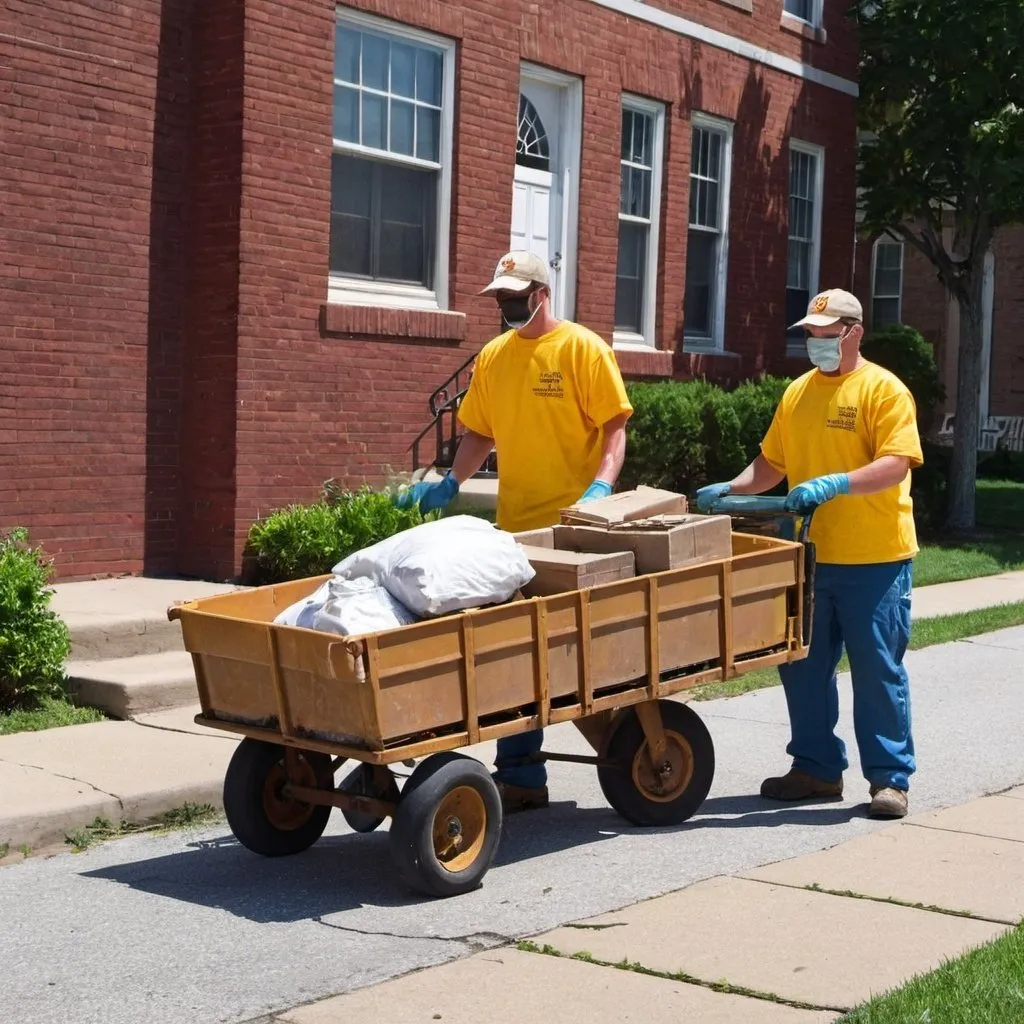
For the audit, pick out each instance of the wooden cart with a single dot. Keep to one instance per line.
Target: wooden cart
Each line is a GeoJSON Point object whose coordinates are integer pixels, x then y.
{"type": "Point", "coordinates": [605, 659]}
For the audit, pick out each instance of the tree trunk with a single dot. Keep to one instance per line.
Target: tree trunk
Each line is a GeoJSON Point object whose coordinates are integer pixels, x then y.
{"type": "Point", "coordinates": [964, 469]}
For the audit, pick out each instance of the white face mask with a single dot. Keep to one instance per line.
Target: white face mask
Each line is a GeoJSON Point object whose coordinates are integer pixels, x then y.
{"type": "Point", "coordinates": [825, 353]}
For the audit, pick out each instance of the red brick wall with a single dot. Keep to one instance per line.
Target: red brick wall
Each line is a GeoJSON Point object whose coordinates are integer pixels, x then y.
{"type": "Point", "coordinates": [256, 389]}
{"type": "Point", "coordinates": [77, 85]}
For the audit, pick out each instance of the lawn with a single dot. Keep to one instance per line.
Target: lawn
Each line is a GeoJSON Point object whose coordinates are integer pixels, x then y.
{"type": "Point", "coordinates": [999, 546]}
{"type": "Point", "coordinates": [924, 633]}
{"type": "Point", "coordinates": [986, 986]}
{"type": "Point", "coordinates": [51, 714]}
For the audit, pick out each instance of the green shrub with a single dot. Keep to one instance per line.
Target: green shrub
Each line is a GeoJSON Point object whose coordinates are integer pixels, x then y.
{"type": "Point", "coordinates": [307, 540]}
{"type": "Point", "coordinates": [1002, 465]}
{"type": "Point", "coordinates": [34, 642]}
{"type": "Point", "coordinates": [905, 352]}
{"type": "Point", "coordinates": [684, 434]}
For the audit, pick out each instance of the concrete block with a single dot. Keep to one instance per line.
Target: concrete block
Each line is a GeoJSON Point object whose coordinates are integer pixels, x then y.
{"type": "Point", "coordinates": [804, 946]}
{"type": "Point", "coordinates": [129, 687]}
{"type": "Point", "coordinates": [506, 985]}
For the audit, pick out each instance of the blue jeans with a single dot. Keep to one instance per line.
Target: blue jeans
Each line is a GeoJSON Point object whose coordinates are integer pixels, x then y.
{"type": "Point", "coordinates": [865, 608]}
{"type": "Point", "coordinates": [522, 744]}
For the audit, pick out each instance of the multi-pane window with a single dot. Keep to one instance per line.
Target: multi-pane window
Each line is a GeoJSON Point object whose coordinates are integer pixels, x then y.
{"type": "Point", "coordinates": [639, 201]}
{"type": "Point", "coordinates": [804, 216]}
{"type": "Point", "coordinates": [804, 9]}
{"type": "Point", "coordinates": [886, 282]}
{"type": "Point", "coordinates": [390, 152]}
{"type": "Point", "coordinates": [706, 240]}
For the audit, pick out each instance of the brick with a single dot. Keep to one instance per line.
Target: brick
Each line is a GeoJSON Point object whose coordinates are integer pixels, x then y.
{"type": "Point", "coordinates": [171, 360]}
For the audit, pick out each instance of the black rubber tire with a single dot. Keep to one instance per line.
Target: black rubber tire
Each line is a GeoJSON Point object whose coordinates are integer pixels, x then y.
{"type": "Point", "coordinates": [461, 789]}
{"type": "Point", "coordinates": [627, 744]}
{"type": "Point", "coordinates": [360, 781]}
{"type": "Point", "coordinates": [263, 820]}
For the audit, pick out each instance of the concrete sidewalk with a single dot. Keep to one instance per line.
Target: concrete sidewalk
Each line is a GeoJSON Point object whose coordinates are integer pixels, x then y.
{"type": "Point", "coordinates": [59, 780]}
{"type": "Point", "coordinates": [795, 942]}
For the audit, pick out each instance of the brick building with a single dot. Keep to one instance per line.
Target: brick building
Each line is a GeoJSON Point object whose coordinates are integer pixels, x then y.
{"type": "Point", "coordinates": [242, 241]}
{"type": "Point", "coordinates": [898, 284]}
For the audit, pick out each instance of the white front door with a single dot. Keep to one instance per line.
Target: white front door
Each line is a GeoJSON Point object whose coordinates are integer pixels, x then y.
{"type": "Point", "coordinates": [546, 178]}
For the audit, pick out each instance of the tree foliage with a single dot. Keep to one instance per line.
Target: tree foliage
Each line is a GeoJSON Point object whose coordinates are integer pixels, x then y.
{"type": "Point", "coordinates": [942, 164]}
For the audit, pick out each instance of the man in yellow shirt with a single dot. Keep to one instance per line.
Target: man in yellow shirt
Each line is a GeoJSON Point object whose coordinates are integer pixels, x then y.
{"type": "Point", "coordinates": [845, 437]}
{"type": "Point", "coordinates": [548, 396]}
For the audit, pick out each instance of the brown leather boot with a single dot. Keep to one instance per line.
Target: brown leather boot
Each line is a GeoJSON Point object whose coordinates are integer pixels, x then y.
{"type": "Point", "coordinates": [798, 785]}
{"type": "Point", "coordinates": [887, 802]}
{"type": "Point", "coordinates": [521, 798]}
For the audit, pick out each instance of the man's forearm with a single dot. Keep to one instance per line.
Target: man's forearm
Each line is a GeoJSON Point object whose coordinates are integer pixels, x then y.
{"type": "Point", "coordinates": [613, 455]}
{"type": "Point", "coordinates": [880, 475]}
{"type": "Point", "coordinates": [473, 451]}
{"type": "Point", "coordinates": [758, 477]}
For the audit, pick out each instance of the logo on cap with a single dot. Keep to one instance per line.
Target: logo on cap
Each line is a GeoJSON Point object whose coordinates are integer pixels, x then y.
{"type": "Point", "coordinates": [820, 304]}
{"type": "Point", "coordinates": [508, 264]}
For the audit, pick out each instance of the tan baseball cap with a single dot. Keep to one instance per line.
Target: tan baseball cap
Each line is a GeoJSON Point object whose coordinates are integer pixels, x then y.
{"type": "Point", "coordinates": [830, 306]}
{"type": "Point", "coordinates": [516, 271]}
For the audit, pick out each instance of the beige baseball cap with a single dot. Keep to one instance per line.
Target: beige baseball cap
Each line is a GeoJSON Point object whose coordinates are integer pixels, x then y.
{"type": "Point", "coordinates": [516, 271]}
{"type": "Point", "coordinates": [830, 306]}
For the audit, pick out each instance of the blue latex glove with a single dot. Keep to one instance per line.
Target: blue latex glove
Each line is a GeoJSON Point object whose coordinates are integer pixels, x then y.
{"type": "Point", "coordinates": [598, 489]}
{"type": "Point", "coordinates": [707, 496]}
{"type": "Point", "coordinates": [806, 497]}
{"type": "Point", "coordinates": [429, 497]}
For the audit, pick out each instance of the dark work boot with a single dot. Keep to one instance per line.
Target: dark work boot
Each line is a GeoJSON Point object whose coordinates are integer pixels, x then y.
{"type": "Point", "coordinates": [798, 785]}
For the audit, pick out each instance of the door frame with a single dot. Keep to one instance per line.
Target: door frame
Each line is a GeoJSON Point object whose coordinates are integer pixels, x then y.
{"type": "Point", "coordinates": [566, 183]}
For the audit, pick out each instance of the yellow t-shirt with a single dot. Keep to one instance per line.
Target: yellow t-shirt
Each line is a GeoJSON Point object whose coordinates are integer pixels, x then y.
{"type": "Point", "coordinates": [839, 424]}
{"type": "Point", "coordinates": [544, 402]}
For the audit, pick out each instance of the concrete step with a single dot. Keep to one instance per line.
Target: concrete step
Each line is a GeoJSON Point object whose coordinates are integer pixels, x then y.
{"type": "Point", "coordinates": [120, 618]}
{"type": "Point", "coordinates": [138, 685]}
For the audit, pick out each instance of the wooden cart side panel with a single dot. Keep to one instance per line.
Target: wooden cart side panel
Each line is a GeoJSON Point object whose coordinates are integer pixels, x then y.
{"type": "Point", "coordinates": [473, 673]}
{"type": "Point", "coordinates": [258, 604]}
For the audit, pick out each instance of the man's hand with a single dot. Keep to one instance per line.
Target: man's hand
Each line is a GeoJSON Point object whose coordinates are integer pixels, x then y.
{"type": "Point", "coordinates": [707, 496]}
{"type": "Point", "coordinates": [806, 497]}
{"type": "Point", "coordinates": [429, 497]}
{"type": "Point", "coordinates": [598, 489]}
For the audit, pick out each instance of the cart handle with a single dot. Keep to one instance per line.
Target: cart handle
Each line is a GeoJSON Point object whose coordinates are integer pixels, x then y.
{"type": "Point", "coordinates": [754, 504]}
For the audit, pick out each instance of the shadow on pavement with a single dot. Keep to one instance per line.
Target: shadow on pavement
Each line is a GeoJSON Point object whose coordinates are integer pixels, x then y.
{"type": "Point", "coordinates": [345, 872]}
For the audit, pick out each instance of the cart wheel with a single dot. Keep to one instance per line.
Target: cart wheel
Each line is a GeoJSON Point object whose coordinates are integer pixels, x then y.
{"type": "Point", "coordinates": [262, 818]}
{"type": "Point", "coordinates": [366, 780]}
{"type": "Point", "coordinates": [642, 795]}
{"type": "Point", "coordinates": [445, 832]}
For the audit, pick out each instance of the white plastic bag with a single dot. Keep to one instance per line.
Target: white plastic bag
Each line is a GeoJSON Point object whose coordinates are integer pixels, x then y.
{"type": "Point", "coordinates": [359, 606]}
{"type": "Point", "coordinates": [444, 566]}
{"type": "Point", "coordinates": [302, 612]}
{"type": "Point", "coordinates": [347, 607]}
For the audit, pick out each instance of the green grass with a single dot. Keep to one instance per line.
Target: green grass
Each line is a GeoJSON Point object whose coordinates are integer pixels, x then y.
{"type": "Point", "coordinates": [986, 986]}
{"type": "Point", "coordinates": [51, 714]}
{"type": "Point", "coordinates": [101, 829]}
{"type": "Point", "coordinates": [1000, 512]}
{"type": "Point", "coordinates": [923, 633]}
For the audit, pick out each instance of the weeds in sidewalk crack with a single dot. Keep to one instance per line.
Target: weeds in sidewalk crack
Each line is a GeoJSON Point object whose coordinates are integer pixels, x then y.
{"type": "Point", "coordinates": [930, 907]}
{"type": "Point", "coordinates": [723, 985]}
{"type": "Point", "coordinates": [596, 927]}
{"type": "Point", "coordinates": [189, 815]}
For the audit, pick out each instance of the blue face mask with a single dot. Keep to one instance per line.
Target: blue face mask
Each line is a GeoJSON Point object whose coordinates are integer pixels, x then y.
{"type": "Point", "coordinates": [825, 353]}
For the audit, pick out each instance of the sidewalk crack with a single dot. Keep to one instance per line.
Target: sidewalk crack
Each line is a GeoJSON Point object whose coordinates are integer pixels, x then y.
{"type": "Point", "coordinates": [477, 942]}
{"type": "Point", "coordinates": [849, 894]}
{"type": "Point", "coordinates": [681, 977]}
{"type": "Point", "coordinates": [961, 831]}
{"type": "Point", "coordinates": [69, 778]}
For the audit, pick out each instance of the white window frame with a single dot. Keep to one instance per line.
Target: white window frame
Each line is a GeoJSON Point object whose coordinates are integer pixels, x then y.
{"type": "Point", "coordinates": [817, 12]}
{"type": "Point", "coordinates": [897, 243]}
{"type": "Point", "coordinates": [716, 343]}
{"type": "Point", "coordinates": [647, 338]}
{"type": "Point", "coordinates": [354, 291]}
{"type": "Point", "coordinates": [793, 346]}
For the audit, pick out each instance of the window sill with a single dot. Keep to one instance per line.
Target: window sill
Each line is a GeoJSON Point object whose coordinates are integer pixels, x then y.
{"type": "Point", "coordinates": [799, 27]}
{"type": "Point", "coordinates": [643, 361]}
{"type": "Point", "coordinates": [704, 347]}
{"type": "Point", "coordinates": [390, 322]}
